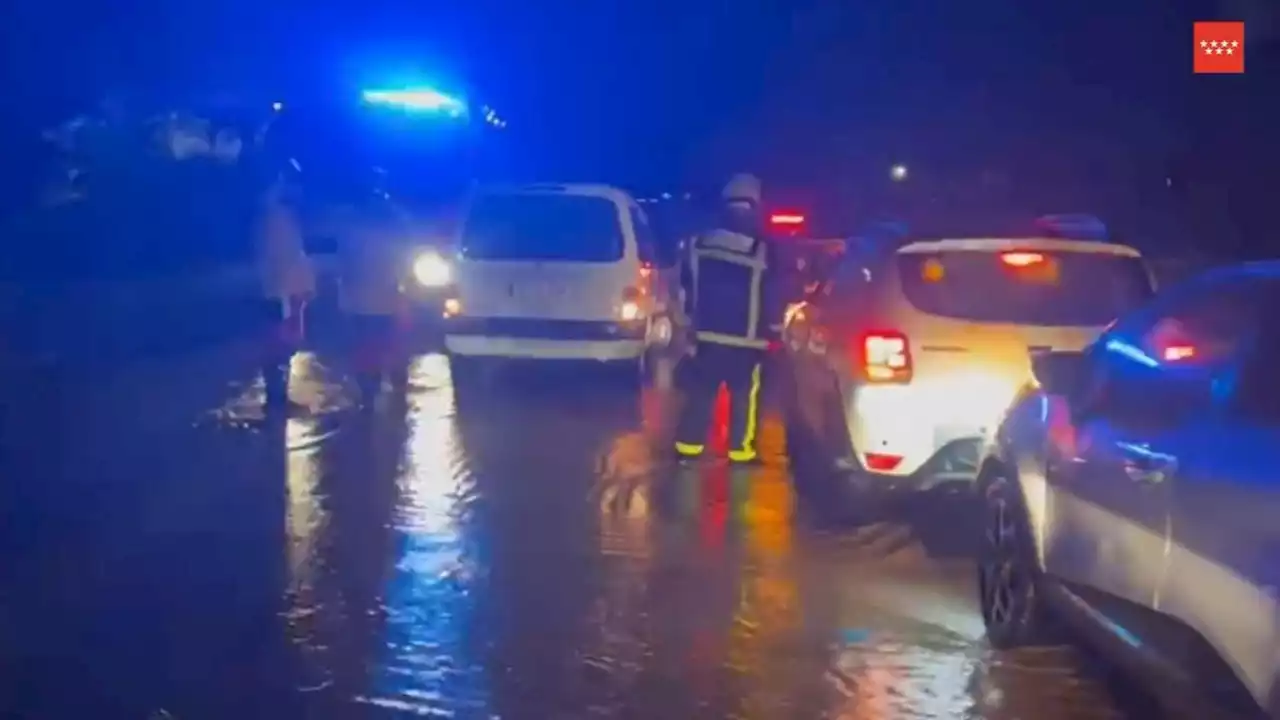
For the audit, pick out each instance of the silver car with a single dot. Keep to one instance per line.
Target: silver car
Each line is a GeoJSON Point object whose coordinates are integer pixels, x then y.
{"type": "Point", "coordinates": [1133, 494]}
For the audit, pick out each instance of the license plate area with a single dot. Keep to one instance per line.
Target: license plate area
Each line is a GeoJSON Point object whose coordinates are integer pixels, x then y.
{"type": "Point", "coordinates": [539, 293]}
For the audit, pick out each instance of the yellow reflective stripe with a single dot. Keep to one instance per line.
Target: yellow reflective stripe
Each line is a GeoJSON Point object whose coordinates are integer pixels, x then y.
{"type": "Point", "coordinates": [734, 340]}
{"type": "Point", "coordinates": [753, 307]}
{"type": "Point", "coordinates": [748, 449]}
{"type": "Point", "coordinates": [689, 448]}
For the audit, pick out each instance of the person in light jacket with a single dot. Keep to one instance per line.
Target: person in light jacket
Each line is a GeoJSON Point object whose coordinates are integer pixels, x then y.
{"type": "Point", "coordinates": [373, 257]}
{"type": "Point", "coordinates": [288, 282]}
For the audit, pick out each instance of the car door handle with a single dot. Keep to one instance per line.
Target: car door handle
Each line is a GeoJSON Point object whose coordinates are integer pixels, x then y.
{"type": "Point", "coordinates": [1147, 467]}
{"type": "Point", "coordinates": [1146, 474]}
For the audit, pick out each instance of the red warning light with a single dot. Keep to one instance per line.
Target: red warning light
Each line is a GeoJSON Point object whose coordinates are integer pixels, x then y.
{"type": "Point", "coordinates": [786, 219]}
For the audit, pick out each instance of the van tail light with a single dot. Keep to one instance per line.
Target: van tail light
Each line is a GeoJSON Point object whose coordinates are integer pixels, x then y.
{"type": "Point", "coordinates": [886, 357]}
{"type": "Point", "coordinates": [632, 305]}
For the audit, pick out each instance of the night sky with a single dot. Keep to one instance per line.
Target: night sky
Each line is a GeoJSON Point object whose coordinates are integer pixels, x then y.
{"type": "Point", "coordinates": [1082, 97]}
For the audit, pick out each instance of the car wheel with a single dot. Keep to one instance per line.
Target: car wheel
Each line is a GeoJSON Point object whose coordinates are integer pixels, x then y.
{"type": "Point", "coordinates": [817, 479]}
{"type": "Point", "coordinates": [1009, 579]}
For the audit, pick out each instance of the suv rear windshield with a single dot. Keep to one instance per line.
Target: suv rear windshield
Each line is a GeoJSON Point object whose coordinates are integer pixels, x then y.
{"type": "Point", "coordinates": [576, 228]}
{"type": "Point", "coordinates": [1024, 288]}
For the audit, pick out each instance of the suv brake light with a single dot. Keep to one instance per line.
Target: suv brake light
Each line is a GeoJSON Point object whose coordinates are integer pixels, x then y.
{"type": "Point", "coordinates": [886, 357]}
{"type": "Point", "coordinates": [882, 462]}
{"type": "Point", "coordinates": [1022, 259]}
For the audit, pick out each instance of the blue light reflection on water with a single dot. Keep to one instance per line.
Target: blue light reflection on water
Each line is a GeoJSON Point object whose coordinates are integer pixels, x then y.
{"type": "Point", "coordinates": [428, 664]}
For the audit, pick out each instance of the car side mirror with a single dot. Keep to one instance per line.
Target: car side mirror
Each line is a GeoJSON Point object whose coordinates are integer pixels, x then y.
{"type": "Point", "coordinates": [1060, 373]}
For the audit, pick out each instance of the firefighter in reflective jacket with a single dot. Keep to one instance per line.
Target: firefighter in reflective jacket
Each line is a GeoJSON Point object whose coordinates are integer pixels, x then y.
{"type": "Point", "coordinates": [726, 283]}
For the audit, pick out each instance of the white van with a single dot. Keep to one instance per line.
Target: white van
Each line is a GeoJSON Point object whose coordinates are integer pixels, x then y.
{"type": "Point", "coordinates": [558, 272]}
{"type": "Point", "coordinates": [906, 361]}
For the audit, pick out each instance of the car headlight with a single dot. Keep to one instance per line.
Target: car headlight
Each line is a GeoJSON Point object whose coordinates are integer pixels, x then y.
{"type": "Point", "coordinates": [431, 270]}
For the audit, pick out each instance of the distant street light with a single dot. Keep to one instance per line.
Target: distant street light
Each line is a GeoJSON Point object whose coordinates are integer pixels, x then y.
{"type": "Point", "coordinates": [898, 173]}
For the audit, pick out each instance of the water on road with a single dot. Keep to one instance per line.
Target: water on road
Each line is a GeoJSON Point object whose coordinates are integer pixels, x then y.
{"type": "Point", "coordinates": [517, 552]}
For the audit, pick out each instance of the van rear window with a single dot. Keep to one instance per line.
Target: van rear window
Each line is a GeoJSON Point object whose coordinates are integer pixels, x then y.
{"type": "Point", "coordinates": [543, 227]}
{"type": "Point", "coordinates": [1024, 288]}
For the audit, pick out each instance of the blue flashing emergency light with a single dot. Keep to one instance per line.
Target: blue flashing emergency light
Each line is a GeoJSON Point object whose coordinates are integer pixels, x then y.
{"type": "Point", "coordinates": [427, 100]}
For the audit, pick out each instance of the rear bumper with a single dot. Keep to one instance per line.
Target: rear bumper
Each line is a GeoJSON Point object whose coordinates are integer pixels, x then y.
{"type": "Point", "coordinates": [536, 339]}
{"type": "Point", "coordinates": [951, 466]}
{"type": "Point", "coordinates": [918, 436]}
{"type": "Point", "coordinates": [540, 329]}
{"type": "Point", "coordinates": [538, 349]}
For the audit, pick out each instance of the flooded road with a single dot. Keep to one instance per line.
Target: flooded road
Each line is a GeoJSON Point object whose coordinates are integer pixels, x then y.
{"type": "Point", "coordinates": [518, 553]}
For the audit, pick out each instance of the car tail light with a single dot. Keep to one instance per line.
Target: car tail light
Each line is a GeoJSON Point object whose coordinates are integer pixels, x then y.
{"type": "Point", "coordinates": [886, 357]}
{"type": "Point", "coordinates": [1174, 353]}
{"type": "Point", "coordinates": [881, 462]}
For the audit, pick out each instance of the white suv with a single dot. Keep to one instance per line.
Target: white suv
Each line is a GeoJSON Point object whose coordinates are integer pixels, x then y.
{"type": "Point", "coordinates": [906, 359]}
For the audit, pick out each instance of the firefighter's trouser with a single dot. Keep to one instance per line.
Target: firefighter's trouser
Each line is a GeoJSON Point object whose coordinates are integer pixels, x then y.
{"type": "Point", "coordinates": [700, 378]}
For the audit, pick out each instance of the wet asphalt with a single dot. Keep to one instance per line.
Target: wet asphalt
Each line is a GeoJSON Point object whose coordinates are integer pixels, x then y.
{"type": "Point", "coordinates": [518, 550]}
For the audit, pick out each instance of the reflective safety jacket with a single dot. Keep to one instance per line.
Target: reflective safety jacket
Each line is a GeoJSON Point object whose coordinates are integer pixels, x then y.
{"type": "Point", "coordinates": [729, 289]}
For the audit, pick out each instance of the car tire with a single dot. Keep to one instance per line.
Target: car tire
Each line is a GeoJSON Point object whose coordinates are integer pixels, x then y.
{"type": "Point", "coordinates": [1010, 582]}
{"type": "Point", "coordinates": [818, 481]}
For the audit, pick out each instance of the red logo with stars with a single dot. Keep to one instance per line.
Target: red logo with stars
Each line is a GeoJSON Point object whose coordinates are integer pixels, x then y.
{"type": "Point", "coordinates": [1219, 48]}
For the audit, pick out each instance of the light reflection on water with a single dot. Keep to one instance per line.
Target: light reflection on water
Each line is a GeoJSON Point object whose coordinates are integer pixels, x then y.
{"type": "Point", "coordinates": [306, 518]}
{"type": "Point", "coordinates": [426, 665]}
{"type": "Point", "coordinates": [305, 515]}
{"type": "Point", "coordinates": [517, 558]}
{"type": "Point", "coordinates": [524, 560]}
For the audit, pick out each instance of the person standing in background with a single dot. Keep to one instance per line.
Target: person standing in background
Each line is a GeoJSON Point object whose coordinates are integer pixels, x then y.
{"type": "Point", "coordinates": [373, 256]}
{"type": "Point", "coordinates": [288, 282]}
